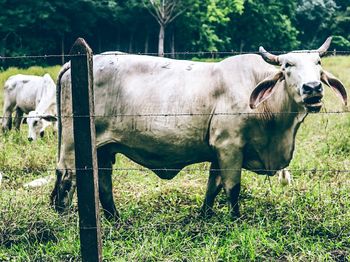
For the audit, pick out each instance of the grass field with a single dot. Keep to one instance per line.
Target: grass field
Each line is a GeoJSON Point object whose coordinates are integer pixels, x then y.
{"type": "Point", "coordinates": [307, 221]}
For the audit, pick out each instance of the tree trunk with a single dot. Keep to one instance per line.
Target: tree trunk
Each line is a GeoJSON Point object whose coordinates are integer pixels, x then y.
{"type": "Point", "coordinates": [161, 40]}
{"type": "Point", "coordinates": [118, 39]}
{"type": "Point", "coordinates": [241, 46]}
{"type": "Point", "coordinates": [173, 44]}
{"type": "Point", "coordinates": [99, 43]}
{"type": "Point", "coordinates": [62, 49]}
{"type": "Point", "coordinates": [131, 40]}
{"type": "Point", "coordinates": [146, 42]}
{"type": "Point", "coordinates": [2, 52]}
{"type": "Point", "coordinates": [3, 45]}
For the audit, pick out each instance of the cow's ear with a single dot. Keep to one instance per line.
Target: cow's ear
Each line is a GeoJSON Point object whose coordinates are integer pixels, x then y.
{"type": "Point", "coordinates": [49, 118]}
{"type": "Point", "coordinates": [264, 90]}
{"type": "Point", "coordinates": [338, 87]}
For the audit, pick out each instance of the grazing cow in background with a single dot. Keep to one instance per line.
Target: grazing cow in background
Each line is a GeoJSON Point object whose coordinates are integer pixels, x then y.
{"type": "Point", "coordinates": [44, 113]}
{"type": "Point", "coordinates": [23, 93]}
{"type": "Point", "coordinates": [165, 114]}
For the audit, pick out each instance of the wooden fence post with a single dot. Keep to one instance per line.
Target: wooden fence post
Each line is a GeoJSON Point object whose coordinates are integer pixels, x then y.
{"type": "Point", "coordinates": [85, 150]}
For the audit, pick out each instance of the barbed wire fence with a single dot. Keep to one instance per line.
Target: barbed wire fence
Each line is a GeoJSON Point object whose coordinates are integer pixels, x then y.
{"type": "Point", "coordinates": [167, 115]}
{"type": "Point", "coordinates": [184, 53]}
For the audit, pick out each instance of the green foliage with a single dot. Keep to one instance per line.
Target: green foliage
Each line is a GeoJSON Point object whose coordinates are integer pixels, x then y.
{"type": "Point", "coordinates": [314, 20]}
{"type": "Point", "coordinates": [50, 27]}
{"type": "Point", "coordinates": [268, 23]}
{"type": "Point", "coordinates": [39, 27]}
{"type": "Point", "coordinates": [206, 22]}
{"type": "Point", "coordinates": [340, 43]}
{"type": "Point", "coordinates": [341, 29]}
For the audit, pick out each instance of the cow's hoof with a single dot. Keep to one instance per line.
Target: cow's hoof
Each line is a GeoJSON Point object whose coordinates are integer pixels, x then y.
{"type": "Point", "coordinates": [235, 215]}
{"type": "Point", "coordinates": [206, 213]}
{"type": "Point", "coordinates": [113, 218]}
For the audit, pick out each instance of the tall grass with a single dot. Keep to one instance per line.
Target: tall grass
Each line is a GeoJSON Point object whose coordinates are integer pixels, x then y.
{"type": "Point", "coordinates": [307, 221]}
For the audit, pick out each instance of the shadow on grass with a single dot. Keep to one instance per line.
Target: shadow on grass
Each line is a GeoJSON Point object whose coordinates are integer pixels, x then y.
{"type": "Point", "coordinates": [34, 232]}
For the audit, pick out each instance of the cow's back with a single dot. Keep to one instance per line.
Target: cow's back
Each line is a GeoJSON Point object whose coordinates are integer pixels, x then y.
{"type": "Point", "coordinates": [164, 105]}
{"type": "Point", "coordinates": [154, 110]}
{"type": "Point", "coordinates": [22, 91]}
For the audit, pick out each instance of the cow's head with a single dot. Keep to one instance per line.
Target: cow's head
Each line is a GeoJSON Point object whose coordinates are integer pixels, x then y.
{"type": "Point", "coordinates": [303, 74]}
{"type": "Point", "coordinates": [37, 124]}
{"type": "Point", "coordinates": [62, 194]}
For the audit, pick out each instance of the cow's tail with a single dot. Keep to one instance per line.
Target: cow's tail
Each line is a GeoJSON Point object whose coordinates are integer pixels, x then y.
{"type": "Point", "coordinates": [63, 70]}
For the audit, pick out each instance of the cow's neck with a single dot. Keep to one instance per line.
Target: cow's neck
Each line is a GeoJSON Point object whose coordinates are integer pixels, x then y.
{"type": "Point", "coordinates": [279, 120]}
{"type": "Point", "coordinates": [280, 110]}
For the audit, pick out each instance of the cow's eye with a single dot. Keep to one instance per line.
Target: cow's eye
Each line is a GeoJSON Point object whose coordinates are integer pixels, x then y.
{"type": "Point", "coordinates": [288, 65]}
{"type": "Point", "coordinates": [319, 62]}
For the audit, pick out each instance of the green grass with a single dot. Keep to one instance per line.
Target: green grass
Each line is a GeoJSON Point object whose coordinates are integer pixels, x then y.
{"type": "Point", "coordinates": [307, 221]}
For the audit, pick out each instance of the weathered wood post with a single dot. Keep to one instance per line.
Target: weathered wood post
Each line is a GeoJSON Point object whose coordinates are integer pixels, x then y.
{"type": "Point", "coordinates": [85, 150]}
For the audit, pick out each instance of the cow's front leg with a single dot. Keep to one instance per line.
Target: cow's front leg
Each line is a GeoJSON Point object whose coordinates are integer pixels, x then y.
{"type": "Point", "coordinates": [7, 117]}
{"type": "Point", "coordinates": [213, 188]}
{"type": "Point", "coordinates": [230, 165]}
{"type": "Point", "coordinates": [232, 192]}
{"type": "Point", "coordinates": [105, 186]}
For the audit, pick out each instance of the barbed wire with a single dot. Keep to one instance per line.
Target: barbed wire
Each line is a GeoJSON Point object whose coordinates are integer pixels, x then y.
{"type": "Point", "coordinates": [183, 114]}
{"type": "Point", "coordinates": [190, 169]}
{"type": "Point", "coordinates": [213, 53]}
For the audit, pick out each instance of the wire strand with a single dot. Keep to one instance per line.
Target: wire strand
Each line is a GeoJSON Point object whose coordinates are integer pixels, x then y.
{"type": "Point", "coordinates": [36, 170]}
{"type": "Point", "coordinates": [213, 53]}
{"type": "Point", "coordinates": [183, 114]}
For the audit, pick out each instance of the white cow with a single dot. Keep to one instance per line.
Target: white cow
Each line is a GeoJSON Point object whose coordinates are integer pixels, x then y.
{"type": "Point", "coordinates": [24, 93]}
{"type": "Point", "coordinates": [44, 114]}
{"type": "Point", "coordinates": [165, 114]}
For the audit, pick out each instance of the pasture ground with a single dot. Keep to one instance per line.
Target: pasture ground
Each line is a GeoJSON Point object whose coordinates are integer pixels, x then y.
{"type": "Point", "coordinates": [307, 221]}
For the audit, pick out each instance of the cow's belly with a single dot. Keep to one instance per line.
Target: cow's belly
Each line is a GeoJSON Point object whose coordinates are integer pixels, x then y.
{"type": "Point", "coordinates": [164, 159]}
{"type": "Point", "coordinates": [163, 156]}
{"type": "Point", "coordinates": [26, 102]}
{"type": "Point", "coordinates": [158, 147]}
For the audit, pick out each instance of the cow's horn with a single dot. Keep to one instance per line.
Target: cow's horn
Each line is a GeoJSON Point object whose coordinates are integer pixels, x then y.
{"type": "Point", "coordinates": [268, 57]}
{"type": "Point", "coordinates": [323, 49]}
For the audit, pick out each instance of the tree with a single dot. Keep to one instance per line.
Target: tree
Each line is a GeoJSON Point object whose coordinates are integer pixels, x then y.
{"type": "Point", "coordinates": [314, 20]}
{"type": "Point", "coordinates": [341, 30]}
{"type": "Point", "coordinates": [264, 22]}
{"type": "Point", "coordinates": [204, 25]}
{"type": "Point", "coordinates": [164, 11]}
{"type": "Point", "coordinates": [34, 27]}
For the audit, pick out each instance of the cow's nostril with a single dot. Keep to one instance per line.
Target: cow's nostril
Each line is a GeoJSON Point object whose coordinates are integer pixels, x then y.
{"type": "Point", "coordinates": [319, 88]}
{"type": "Point", "coordinates": [312, 87]}
{"type": "Point", "coordinates": [30, 139]}
{"type": "Point", "coordinates": [307, 89]}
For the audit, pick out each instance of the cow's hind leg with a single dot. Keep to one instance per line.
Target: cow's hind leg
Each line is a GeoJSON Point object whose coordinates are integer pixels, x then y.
{"type": "Point", "coordinates": [7, 117]}
{"type": "Point", "coordinates": [105, 161]}
{"type": "Point", "coordinates": [213, 188]}
{"type": "Point", "coordinates": [18, 118]}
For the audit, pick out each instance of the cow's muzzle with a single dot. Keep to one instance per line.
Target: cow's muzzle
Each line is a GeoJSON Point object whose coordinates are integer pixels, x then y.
{"type": "Point", "coordinates": [313, 104]}
{"type": "Point", "coordinates": [312, 94]}
{"type": "Point", "coordinates": [61, 194]}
